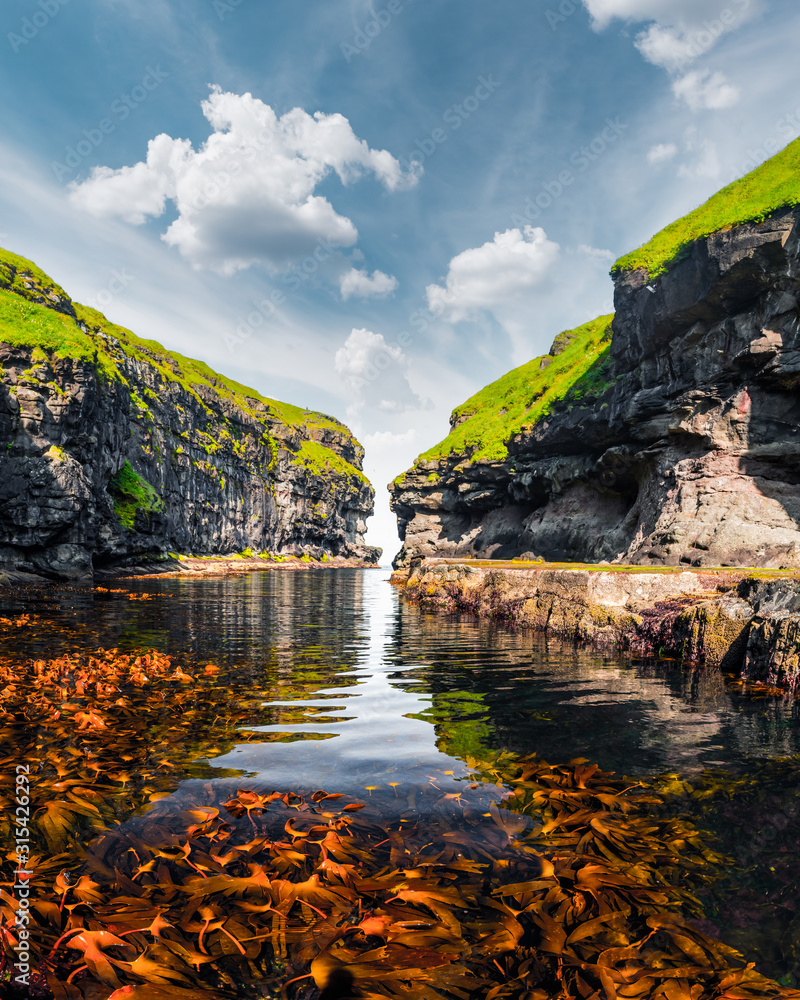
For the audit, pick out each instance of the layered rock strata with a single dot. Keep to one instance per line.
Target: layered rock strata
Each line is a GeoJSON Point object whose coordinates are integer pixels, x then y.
{"type": "Point", "coordinates": [740, 623]}
{"type": "Point", "coordinates": [688, 450]}
{"type": "Point", "coordinates": [133, 452]}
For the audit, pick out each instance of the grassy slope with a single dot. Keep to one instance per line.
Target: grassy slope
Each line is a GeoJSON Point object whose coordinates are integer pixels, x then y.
{"type": "Point", "coordinates": [773, 185]}
{"type": "Point", "coordinates": [525, 395]}
{"type": "Point", "coordinates": [32, 324]}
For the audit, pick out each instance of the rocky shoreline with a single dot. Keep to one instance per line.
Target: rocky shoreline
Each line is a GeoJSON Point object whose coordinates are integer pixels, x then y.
{"type": "Point", "coordinates": [196, 566]}
{"type": "Point", "coordinates": [742, 621]}
{"type": "Point", "coordinates": [188, 566]}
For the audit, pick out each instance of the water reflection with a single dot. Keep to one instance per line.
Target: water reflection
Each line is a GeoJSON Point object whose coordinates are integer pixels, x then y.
{"type": "Point", "coordinates": [379, 739]}
{"type": "Point", "coordinates": [329, 680]}
{"type": "Point", "coordinates": [494, 688]}
{"type": "Point", "coordinates": [345, 684]}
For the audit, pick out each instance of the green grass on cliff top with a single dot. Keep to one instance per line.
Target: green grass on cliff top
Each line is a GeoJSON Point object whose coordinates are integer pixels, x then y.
{"type": "Point", "coordinates": [773, 185]}
{"type": "Point", "coordinates": [523, 396]}
{"type": "Point", "coordinates": [25, 322]}
{"type": "Point", "coordinates": [29, 324]}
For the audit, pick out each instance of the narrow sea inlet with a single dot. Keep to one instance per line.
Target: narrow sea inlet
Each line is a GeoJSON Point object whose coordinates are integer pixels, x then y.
{"type": "Point", "coordinates": [473, 774]}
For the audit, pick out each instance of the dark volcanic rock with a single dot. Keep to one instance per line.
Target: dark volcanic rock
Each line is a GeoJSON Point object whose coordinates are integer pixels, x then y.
{"type": "Point", "coordinates": [226, 472]}
{"type": "Point", "coordinates": [691, 454]}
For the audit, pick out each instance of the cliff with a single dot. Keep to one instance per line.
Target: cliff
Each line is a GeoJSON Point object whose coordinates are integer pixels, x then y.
{"type": "Point", "coordinates": [113, 450]}
{"type": "Point", "coordinates": [666, 435]}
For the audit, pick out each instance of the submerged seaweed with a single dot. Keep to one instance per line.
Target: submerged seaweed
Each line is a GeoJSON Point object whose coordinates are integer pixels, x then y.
{"type": "Point", "coordinates": [574, 884]}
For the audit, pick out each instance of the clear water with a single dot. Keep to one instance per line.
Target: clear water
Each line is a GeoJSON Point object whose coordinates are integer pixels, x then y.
{"type": "Point", "coordinates": [351, 689]}
{"type": "Point", "coordinates": [357, 687]}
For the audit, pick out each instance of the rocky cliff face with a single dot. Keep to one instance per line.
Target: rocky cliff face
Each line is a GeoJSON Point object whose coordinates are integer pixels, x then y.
{"type": "Point", "coordinates": [112, 450]}
{"type": "Point", "coordinates": [686, 449]}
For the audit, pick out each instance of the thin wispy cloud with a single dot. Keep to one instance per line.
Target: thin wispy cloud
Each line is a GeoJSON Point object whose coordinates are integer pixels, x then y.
{"type": "Point", "coordinates": [681, 33]}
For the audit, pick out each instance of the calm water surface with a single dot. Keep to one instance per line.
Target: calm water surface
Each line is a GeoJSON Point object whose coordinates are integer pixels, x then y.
{"type": "Point", "coordinates": [349, 689]}
{"type": "Point", "coordinates": [357, 688]}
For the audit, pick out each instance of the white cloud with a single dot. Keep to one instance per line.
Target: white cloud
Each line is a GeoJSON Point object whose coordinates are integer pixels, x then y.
{"type": "Point", "coordinates": [363, 285]}
{"type": "Point", "coordinates": [388, 439]}
{"type": "Point", "coordinates": [661, 153]}
{"type": "Point", "coordinates": [680, 33]}
{"type": "Point", "coordinates": [487, 277]}
{"type": "Point", "coordinates": [600, 255]}
{"type": "Point", "coordinates": [704, 89]}
{"type": "Point", "coordinates": [670, 48]}
{"type": "Point", "coordinates": [517, 289]}
{"type": "Point", "coordinates": [603, 12]}
{"type": "Point", "coordinates": [375, 374]}
{"type": "Point", "coordinates": [247, 195]}
{"type": "Point", "coordinates": [355, 361]}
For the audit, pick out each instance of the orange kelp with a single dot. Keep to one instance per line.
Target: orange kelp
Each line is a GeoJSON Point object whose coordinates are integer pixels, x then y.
{"type": "Point", "coordinates": [571, 886]}
{"type": "Point", "coordinates": [100, 733]}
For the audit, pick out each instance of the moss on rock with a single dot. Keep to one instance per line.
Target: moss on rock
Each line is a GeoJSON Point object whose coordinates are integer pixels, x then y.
{"type": "Point", "coordinates": [131, 495]}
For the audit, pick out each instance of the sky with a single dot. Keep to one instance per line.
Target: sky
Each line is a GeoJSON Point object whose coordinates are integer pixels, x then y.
{"type": "Point", "coordinates": [373, 209]}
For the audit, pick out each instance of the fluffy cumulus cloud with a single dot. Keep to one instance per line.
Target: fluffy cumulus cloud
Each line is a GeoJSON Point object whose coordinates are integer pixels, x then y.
{"type": "Point", "coordinates": [518, 289]}
{"type": "Point", "coordinates": [362, 285]}
{"type": "Point", "coordinates": [679, 33]}
{"type": "Point", "coordinates": [375, 374]}
{"type": "Point", "coordinates": [488, 277]}
{"type": "Point", "coordinates": [247, 195]}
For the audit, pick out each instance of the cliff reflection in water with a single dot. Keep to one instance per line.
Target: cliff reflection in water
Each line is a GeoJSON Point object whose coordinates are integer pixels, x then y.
{"type": "Point", "coordinates": [391, 689]}
{"type": "Point", "coordinates": [492, 688]}
{"type": "Point", "coordinates": [328, 680]}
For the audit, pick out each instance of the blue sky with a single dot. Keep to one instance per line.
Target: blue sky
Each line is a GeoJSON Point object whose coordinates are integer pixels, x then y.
{"type": "Point", "coordinates": [373, 209]}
